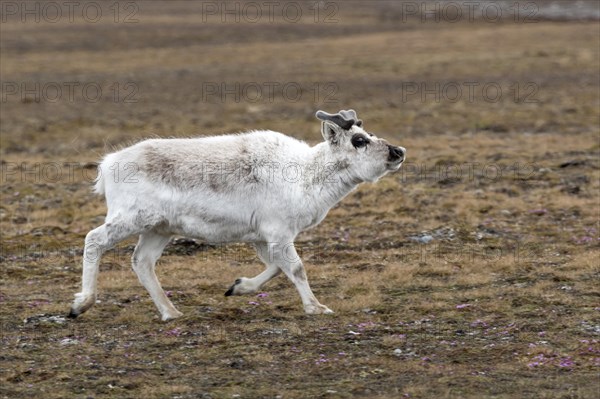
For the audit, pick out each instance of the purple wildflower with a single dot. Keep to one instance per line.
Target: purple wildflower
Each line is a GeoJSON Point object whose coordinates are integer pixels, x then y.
{"type": "Point", "coordinates": [176, 332]}
{"type": "Point", "coordinates": [478, 323]}
{"type": "Point", "coordinates": [362, 326]}
{"type": "Point", "coordinates": [566, 362]}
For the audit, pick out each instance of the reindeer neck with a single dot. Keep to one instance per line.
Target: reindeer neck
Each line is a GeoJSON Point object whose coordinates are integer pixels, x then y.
{"type": "Point", "coordinates": [328, 178]}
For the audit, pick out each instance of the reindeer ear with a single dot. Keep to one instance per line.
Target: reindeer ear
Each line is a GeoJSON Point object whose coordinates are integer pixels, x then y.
{"type": "Point", "coordinates": [331, 132]}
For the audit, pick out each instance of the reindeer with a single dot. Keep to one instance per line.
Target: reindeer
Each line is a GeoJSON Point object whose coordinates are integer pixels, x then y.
{"type": "Point", "coordinates": [260, 187]}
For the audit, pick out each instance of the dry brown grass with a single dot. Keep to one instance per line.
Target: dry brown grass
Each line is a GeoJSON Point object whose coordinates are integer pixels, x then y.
{"type": "Point", "coordinates": [503, 302]}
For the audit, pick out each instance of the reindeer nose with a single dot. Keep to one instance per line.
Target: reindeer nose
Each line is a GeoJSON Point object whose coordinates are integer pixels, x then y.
{"type": "Point", "coordinates": [396, 153]}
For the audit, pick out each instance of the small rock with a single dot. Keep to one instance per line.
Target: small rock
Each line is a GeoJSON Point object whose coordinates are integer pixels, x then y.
{"type": "Point", "coordinates": [479, 193]}
{"type": "Point", "coordinates": [237, 364]}
{"type": "Point", "coordinates": [45, 318]}
{"type": "Point", "coordinates": [397, 352]}
{"type": "Point", "coordinates": [68, 341]}
{"type": "Point", "coordinates": [19, 220]}
{"type": "Point", "coordinates": [575, 162]}
{"type": "Point", "coordinates": [541, 211]}
{"type": "Point", "coordinates": [425, 239]}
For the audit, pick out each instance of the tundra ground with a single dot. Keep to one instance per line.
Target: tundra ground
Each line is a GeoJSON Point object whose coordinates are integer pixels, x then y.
{"type": "Point", "coordinates": [473, 272]}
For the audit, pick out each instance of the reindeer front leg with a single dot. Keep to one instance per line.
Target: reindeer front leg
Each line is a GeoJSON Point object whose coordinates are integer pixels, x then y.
{"type": "Point", "coordinates": [287, 259]}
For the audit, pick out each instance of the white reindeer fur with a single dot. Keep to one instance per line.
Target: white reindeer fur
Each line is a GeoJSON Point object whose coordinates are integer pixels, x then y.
{"type": "Point", "coordinates": [261, 187]}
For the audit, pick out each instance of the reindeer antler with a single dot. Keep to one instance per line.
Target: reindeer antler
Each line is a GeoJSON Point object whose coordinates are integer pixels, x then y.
{"type": "Point", "coordinates": [344, 118]}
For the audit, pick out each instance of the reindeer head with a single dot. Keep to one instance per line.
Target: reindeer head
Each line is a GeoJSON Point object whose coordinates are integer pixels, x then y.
{"type": "Point", "coordinates": [365, 156]}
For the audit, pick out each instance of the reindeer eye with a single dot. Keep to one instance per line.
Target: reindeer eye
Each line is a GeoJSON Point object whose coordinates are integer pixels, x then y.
{"type": "Point", "coordinates": [358, 141]}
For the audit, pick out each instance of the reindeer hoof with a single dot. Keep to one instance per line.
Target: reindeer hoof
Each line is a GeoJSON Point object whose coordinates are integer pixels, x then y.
{"type": "Point", "coordinates": [318, 309]}
{"type": "Point", "coordinates": [232, 288]}
{"type": "Point", "coordinates": [82, 303]}
{"type": "Point", "coordinates": [172, 315]}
